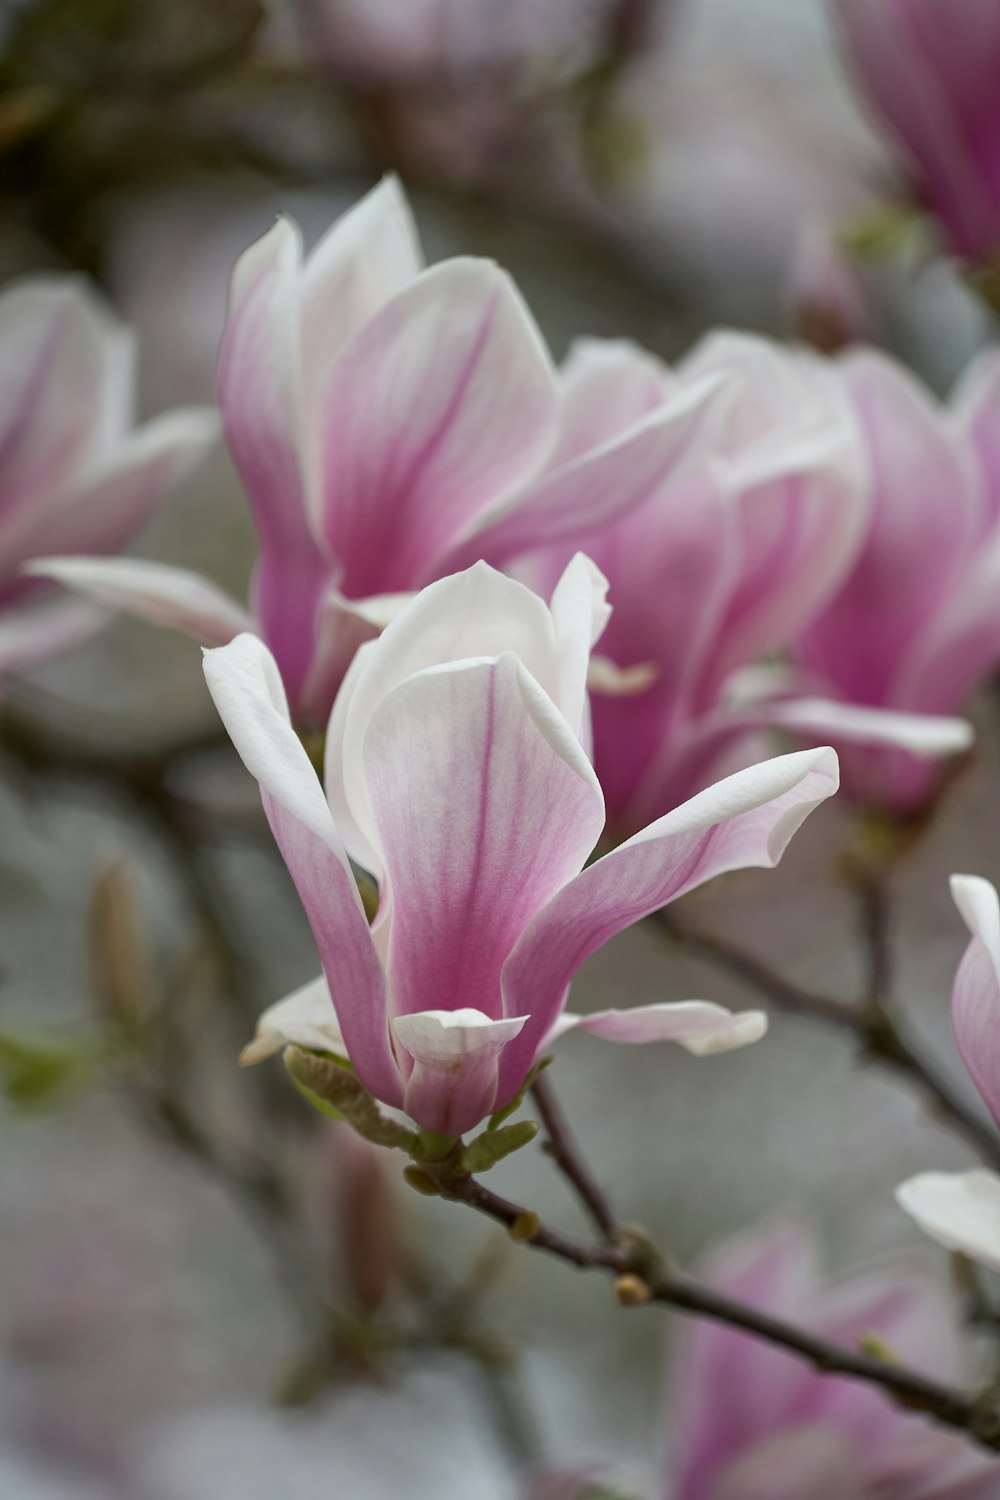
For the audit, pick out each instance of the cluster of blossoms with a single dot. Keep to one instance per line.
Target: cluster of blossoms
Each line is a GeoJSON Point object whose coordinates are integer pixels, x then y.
{"type": "Point", "coordinates": [786, 542]}
{"type": "Point", "coordinates": [536, 614]}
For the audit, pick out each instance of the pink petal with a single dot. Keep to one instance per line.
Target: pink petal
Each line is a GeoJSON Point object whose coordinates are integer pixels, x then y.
{"type": "Point", "coordinates": [455, 1054]}
{"type": "Point", "coordinates": [484, 804]}
{"type": "Point", "coordinates": [440, 405]}
{"type": "Point", "coordinates": [728, 1392]}
{"type": "Point", "coordinates": [243, 679]}
{"type": "Point", "coordinates": [746, 820]}
{"type": "Point", "coordinates": [259, 382]}
{"type": "Point", "coordinates": [975, 1000]}
{"type": "Point", "coordinates": [66, 367]}
{"type": "Point", "coordinates": [173, 597]}
{"type": "Point", "coordinates": [698, 1025]}
{"type": "Point", "coordinates": [368, 255]}
{"type": "Point", "coordinates": [917, 550]}
{"type": "Point", "coordinates": [605, 387]}
{"type": "Point", "coordinates": [478, 613]}
{"type": "Point", "coordinates": [930, 73]}
{"type": "Point", "coordinates": [579, 498]}
{"type": "Point", "coordinates": [118, 498]}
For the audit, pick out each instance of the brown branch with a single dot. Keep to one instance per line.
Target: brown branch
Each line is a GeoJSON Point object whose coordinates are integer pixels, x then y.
{"type": "Point", "coordinates": [642, 1277]}
{"type": "Point", "coordinates": [564, 1151]}
{"type": "Point", "coordinates": [880, 1036]}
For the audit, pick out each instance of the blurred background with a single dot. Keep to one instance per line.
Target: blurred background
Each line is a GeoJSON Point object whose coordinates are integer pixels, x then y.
{"type": "Point", "coordinates": [204, 1290]}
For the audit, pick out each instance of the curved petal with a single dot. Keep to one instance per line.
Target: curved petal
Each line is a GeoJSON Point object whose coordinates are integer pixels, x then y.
{"type": "Point", "coordinates": [916, 550]}
{"type": "Point", "coordinates": [444, 401]}
{"type": "Point", "coordinates": [798, 506]}
{"type": "Point", "coordinates": [961, 1210]}
{"type": "Point", "coordinates": [820, 718]}
{"type": "Point", "coordinates": [305, 1018]}
{"type": "Point", "coordinates": [259, 384]}
{"type": "Point", "coordinates": [975, 1000]}
{"type": "Point", "coordinates": [580, 612]}
{"type": "Point", "coordinates": [66, 369]}
{"type": "Point", "coordinates": [484, 804]}
{"type": "Point", "coordinates": [933, 83]}
{"type": "Point", "coordinates": [583, 496]}
{"type": "Point", "coordinates": [478, 613]}
{"type": "Point", "coordinates": [455, 1054]}
{"type": "Point", "coordinates": [368, 255]}
{"type": "Point", "coordinates": [963, 645]}
{"type": "Point", "coordinates": [605, 387]}
{"type": "Point", "coordinates": [173, 597]}
{"type": "Point", "coordinates": [746, 820]}
{"type": "Point", "coordinates": [244, 681]}
{"type": "Point", "coordinates": [119, 497]}
{"type": "Point", "coordinates": [698, 1025]}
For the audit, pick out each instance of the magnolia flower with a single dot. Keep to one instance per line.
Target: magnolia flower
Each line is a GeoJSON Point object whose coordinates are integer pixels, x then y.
{"type": "Point", "coordinates": [929, 70]}
{"type": "Point", "coordinates": [746, 1421]}
{"type": "Point", "coordinates": [457, 776]}
{"type": "Point", "coordinates": [722, 564]}
{"type": "Point", "coordinates": [391, 424]}
{"type": "Point", "coordinates": [75, 473]}
{"type": "Point", "coordinates": [961, 1210]}
{"type": "Point", "coordinates": [916, 623]}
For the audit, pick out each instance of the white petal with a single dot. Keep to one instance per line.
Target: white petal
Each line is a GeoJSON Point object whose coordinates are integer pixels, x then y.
{"type": "Point", "coordinates": [921, 734]}
{"type": "Point", "coordinates": [961, 1210]}
{"type": "Point", "coordinates": [164, 595]}
{"type": "Point", "coordinates": [700, 1026]}
{"type": "Point", "coordinates": [305, 1018]}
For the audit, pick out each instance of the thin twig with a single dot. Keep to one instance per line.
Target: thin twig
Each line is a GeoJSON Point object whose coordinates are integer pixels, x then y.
{"type": "Point", "coordinates": [564, 1151]}
{"type": "Point", "coordinates": [881, 1037]}
{"type": "Point", "coordinates": [643, 1277]}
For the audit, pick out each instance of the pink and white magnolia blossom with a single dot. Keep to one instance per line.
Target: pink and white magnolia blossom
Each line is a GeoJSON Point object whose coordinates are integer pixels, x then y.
{"type": "Point", "coordinates": [929, 70]}
{"type": "Point", "coordinates": [961, 1210]}
{"type": "Point", "coordinates": [747, 1421]}
{"type": "Point", "coordinates": [457, 775]}
{"type": "Point", "coordinates": [915, 625]}
{"type": "Point", "coordinates": [722, 564]}
{"type": "Point", "coordinates": [76, 474]}
{"type": "Point", "coordinates": [391, 424]}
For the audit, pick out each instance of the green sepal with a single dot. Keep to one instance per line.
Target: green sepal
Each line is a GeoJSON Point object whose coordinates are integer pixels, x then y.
{"type": "Point", "coordinates": [314, 1099]}
{"type": "Point", "coordinates": [518, 1099]}
{"type": "Point", "coordinates": [341, 1090]}
{"type": "Point", "coordinates": [493, 1145]}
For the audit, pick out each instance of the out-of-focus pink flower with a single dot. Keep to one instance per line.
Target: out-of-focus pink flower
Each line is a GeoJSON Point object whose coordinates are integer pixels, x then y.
{"type": "Point", "coordinates": [746, 1421]}
{"type": "Point", "coordinates": [930, 72]}
{"type": "Point", "coordinates": [721, 565]}
{"type": "Point", "coordinates": [916, 624]}
{"type": "Point", "coordinates": [962, 1210]}
{"type": "Point", "coordinates": [75, 474]}
{"type": "Point", "coordinates": [457, 775]}
{"type": "Point", "coordinates": [391, 424]}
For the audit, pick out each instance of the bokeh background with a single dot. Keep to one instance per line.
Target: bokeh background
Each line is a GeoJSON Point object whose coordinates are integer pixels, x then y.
{"type": "Point", "coordinates": [644, 169]}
